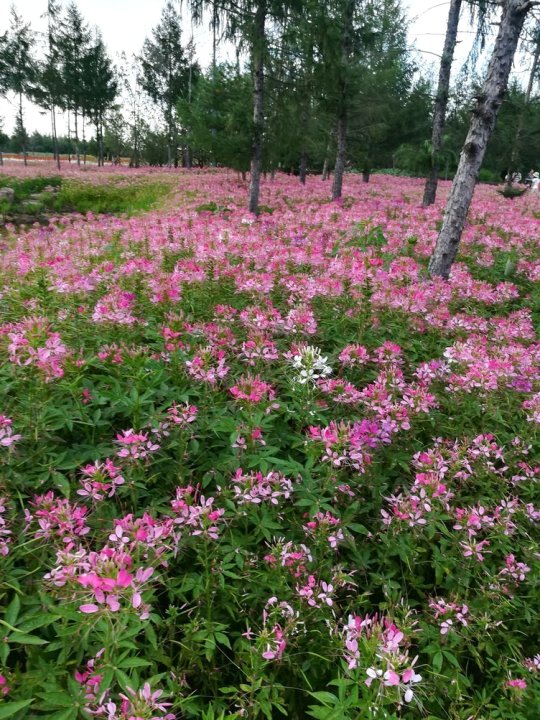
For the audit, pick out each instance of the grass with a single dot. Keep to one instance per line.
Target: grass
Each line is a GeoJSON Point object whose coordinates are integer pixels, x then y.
{"type": "Point", "coordinates": [117, 197]}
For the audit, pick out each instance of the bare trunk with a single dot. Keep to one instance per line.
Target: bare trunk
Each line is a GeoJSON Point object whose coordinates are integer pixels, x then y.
{"type": "Point", "coordinates": [84, 139]}
{"type": "Point", "coordinates": [341, 155]}
{"type": "Point", "coordinates": [482, 124]}
{"type": "Point", "coordinates": [257, 55]}
{"type": "Point", "coordinates": [69, 135]}
{"type": "Point", "coordinates": [519, 131]}
{"type": "Point", "coordinates": [366, 174]}
{"type": "Point", "coordinates": [325, 172]}
{"type": "Point", "coordinates": [441, 101]}
{"type": "Point", "coordinates": [214, 37]}
{"type": "Point", "coordinates": [188, 157]}
{"type": "Point", "coordinates": [77, 149]}
{"type": "Point", "coordinates": [55, 136]}
{"type": "Point", "coordinates": [23, 131]}
{"type": "Point", "coordinates": [101, 147]}
{"type": "Point", "coordinates": [342, 114]}
{"type": "Point", "coordinates": [302, 171]}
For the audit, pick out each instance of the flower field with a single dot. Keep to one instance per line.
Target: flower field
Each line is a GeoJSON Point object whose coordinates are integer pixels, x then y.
{"type": "Point", "coordinates": [263, 468]}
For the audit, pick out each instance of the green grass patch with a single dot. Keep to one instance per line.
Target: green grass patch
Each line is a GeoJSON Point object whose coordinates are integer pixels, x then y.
{"type": "Point", "coordinates": [118, 196]}
{"type": "Point", "coordinates": [115, 198]}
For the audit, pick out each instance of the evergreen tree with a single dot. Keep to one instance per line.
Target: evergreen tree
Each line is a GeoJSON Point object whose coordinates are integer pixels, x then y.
{"type": "Point", "coordinates": [167, 74]}
{"type": "Point", "coordinates": [18, 70]}
{"type": "Point", "coordinates": [49, 89]}
{"type": "Point", "coordinates": [74, 45]}
{"type": "Point", "coordinates": [218, 118]}
{"type": "Point", "coordinates": [251, 21]}
{"type": "Point", "coordinates": [100, 88]}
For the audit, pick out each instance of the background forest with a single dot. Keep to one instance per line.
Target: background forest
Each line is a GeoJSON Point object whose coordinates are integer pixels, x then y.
{"type": "Point", "coordinates": [320, 62]}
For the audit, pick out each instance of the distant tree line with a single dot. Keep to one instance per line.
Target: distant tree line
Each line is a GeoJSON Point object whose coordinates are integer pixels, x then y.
{"type": "Point", "coordinates": [318, 87]}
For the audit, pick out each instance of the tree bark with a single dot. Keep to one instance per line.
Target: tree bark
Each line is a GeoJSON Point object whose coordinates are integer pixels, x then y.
{"type": "Point", "coordinates": [483, 119]}
{"type": "Point", "coordinates": [342, 115]}
{"type": "Point", "coordinates": [341, 156]}
{"type": "Point", "coordinates": [519, 131]}
{"type": "Point", "coordinates": [55, 136]}
{"type": "Point", "coordinates": [325, 169]}
{"type": "Point", "coordinates": [77, 149]}
{"type": "Point", "coordinates": [302, 171]}
{"type": "Point", "coordinates": [441, 101]}
{"type": "Point", "coordinates": [22, 130]}
{"type": "Point", "coordinates": [257, 56]}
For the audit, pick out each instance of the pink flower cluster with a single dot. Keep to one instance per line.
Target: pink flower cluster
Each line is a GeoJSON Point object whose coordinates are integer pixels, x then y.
{"type": "Point", "coordinates": [208, 365]}
{"type": "Point", "coordinates": [143, 704]}
{"type": "Point", "coordinates": [100, 480]}
{"type": "Point", "coordinates": [32, 343]}
{"type": "Point", "coordinates": [252, 390]}
{"type": "Point", "coordinates": [182, 415]}
{"type": "Point", "coordinates": [57, 519]}
{"type": "Point", "coordinates": [384, 643]}
{"type": "Point", "coordinates": [451, 614]}
{"type": "Point", "coordinates": [4, 687]}
{"type": "Point", "coordinates": [255, 488]}
{"type": "Point", "coordinates": [196, 514]}
{"type": "Point", "coordinates": [5, 532]}
{"type": "Point", "coordinates": [325, 526]}
{"type": "Point", "coordinates": [135, 445]}
{"type": "Point", "coordinates": [101, 582]}
{"type": "Point", "coordinates": [115, 307]}
{"type": "Point", "coordinates": [7, 436]}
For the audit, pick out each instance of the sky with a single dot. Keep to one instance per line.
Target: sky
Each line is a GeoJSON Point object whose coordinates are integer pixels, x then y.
{"type": "Point", "coordinates": [125, 24]}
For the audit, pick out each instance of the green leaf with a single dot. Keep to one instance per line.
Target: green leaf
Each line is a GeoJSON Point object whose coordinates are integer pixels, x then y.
{"type": "Point", "coordinates": [123, 679]}
{"type": "Point", "coordinates": [326, 698]}
{"type": "Point", "coordinates": [12, 611]}
{"type": "Point", "coordinates": [9, 709]}
{"type": "Point", "coordinates": [437, 661]}
{"type": "Point", "coordinates": [133, 663]}
{"type": "Point", "coordinates": [24, 639]}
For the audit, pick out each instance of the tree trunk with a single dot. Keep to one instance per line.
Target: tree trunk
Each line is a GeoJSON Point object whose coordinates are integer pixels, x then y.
{"type": "Point", "coordinates": [482, 124]}
{"type": "Point", "coordinates": [343, 100]}
{"type": "Point", "coordinates": [519, 131]}
{"type": "Point", "coordinates": [55, 136]}
{"type": "Point", "coordinates": [366, 174]}
{"type": "Point", "coordinates": [341, 156]}
{"type": "Point", "coordinates": [215, 20]}
{"type": "Point", "coordinates": [69, 135]}
{"type": "Point", "coordinates": [101, 159]}
{"type": "Point", "coordinates": [257, 59]}
{"type": "Point", "coordinates": [84, 139]}
{"type": "Point", "coordinates": [22, 130]}
{"type": "Point", "coordinates": [441, 101]}
{"type": "Point", "coordinates": [302, 171]}
{"type": "Point", "coordinates": [77, 149]}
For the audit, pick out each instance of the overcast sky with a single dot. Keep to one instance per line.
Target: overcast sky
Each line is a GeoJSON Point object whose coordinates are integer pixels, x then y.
{"type": "Point", "coordinates": [125, 24]}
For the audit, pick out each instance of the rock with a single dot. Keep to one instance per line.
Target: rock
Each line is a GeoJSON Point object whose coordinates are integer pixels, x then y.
{"type": "Point", "coordinates": [31, 204]}
{"type": "Point", "coordinates": [35, 197]}
{"type": "Point", "coordinates": [51, 189]}
{"type": "Point", "coordinates": [8, 194]}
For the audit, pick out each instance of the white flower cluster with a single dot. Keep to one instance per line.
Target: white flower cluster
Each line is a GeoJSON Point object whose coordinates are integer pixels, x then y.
{"type": "Point", "coordinates": [310, 364]}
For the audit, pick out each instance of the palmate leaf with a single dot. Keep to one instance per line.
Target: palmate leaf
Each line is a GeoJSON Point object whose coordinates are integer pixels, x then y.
{"type": "Point", "coordinates": [9, 709]}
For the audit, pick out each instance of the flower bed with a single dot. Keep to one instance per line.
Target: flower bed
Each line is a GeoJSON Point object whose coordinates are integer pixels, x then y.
{"type": "Point", "coordinates": [267, 467]}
